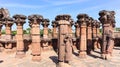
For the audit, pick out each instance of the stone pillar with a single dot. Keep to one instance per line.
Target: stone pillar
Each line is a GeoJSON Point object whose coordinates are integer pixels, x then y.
{"type": "Point", "coordinates": [89, 35]}
{"type": "Point", "coordinates": [34, 21]}
{"type": "Point", "coordinates": [8, 22]}
{"type": "Point", "coordinates": [45, 28]}
{"type": "Point", "coordinates": [19, 20]}
{"type": "Point", "coordinates": [70, 27]}
{"type": "Point", "coordinates": [64, 49]}
{"type": "Point", "coordinates": [94, 35]}
{"type": "Point", "coordinates": [77, 31]}
{"type": "Point", "coordinates": [1, 46]}
{"type": "Point", "coordinates": [82, 20]}
{"type": "Point", "coordinates": [45, 24]}
{"type": "Point", "coordinates": [54, 33]}
{"type": "Point", "coordinates": [107, 19]}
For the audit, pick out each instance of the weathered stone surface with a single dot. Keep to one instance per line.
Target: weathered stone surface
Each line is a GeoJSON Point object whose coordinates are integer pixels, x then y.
{"type": "Point", "coordinates": [19, 20]}
{"type": "Point", "coordinates": [82, 20]}
{"type": "Point", "coordinates": [34, 21]}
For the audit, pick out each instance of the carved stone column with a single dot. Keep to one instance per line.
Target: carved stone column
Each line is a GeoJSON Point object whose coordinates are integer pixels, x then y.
{"type": "Point", "coordinates": [8, 22]}
{"type": "Point", "coordinates": [64, 49]}
{"type": "Point", "coordinates": [45, 28]}
{"type": "Point", "coordinates": [89, 35]}
{"type": "Point", "coordinates": [19, 20]}
{"type": "Point", "coordinates": [77, 31]}
{"type": "Point", "coordinates": [107, 18]}
{"type": "Point", "coordinates": [82, 20]}
{"type": "Point", "coordinates": [70, 27]}
{"type": "Point", "coordinates": [34, 21]}
{"type": "Point", "coordinates": [1, 46]}
{"type": "Point", "coordinates": [54, 33]}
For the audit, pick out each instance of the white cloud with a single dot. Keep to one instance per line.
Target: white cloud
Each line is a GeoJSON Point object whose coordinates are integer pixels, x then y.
{"type": "Point", "coordinates": [21, 5]}
{"type": "Point", "coordinates": [64, 2]}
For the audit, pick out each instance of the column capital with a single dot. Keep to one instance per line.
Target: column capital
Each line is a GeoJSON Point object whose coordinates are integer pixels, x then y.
{"type": "Point", "coordinates": [82, 19]}
{"type": "Point", "coordinates": [94, 23]}
{"type": "Point", "coordinates": [8, 21]}
{"type": "Point", "coordinates": [98, 24]}
{"type": "Point", "coordinates": [19, 19]}
{"type": "Point", "coordinates": [107, 17]}
{"type": "Point", "coordinates": [89, 24]}
{"type": "Point", "coordinates": [76, 25]}
{"type": "Point", "coordinates": [71, 22]}
{"type": "Point", "coordinates": [54, 23]}
{"type": "Point", "coordinates": [35, 19]}
{"type": "Point", "coordinates": [45, 22]}
{"type": "Point", "coordinates": [63, 17]}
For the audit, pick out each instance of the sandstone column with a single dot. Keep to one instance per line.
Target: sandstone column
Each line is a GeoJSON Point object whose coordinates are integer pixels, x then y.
{"type": "Point", "coordinates": [70, 27]}
{"type": "Point", "coordinates": [107, 19]}
{"type": "Point", "coordinates": [45, 24]}
{"type": "Point", "coordinates": [64, 45]}
{"type": "Point", "coordinates": [77, 31]}
{"type": "Point", "coordinates": [1, 46]}
{"type": "Point", "coordinates": [54, 33]}
{"type": "Point", "coordinates": [8, 22]}
{"type": "Point", "coordinates": [34, 21]}
{"type": "Point", "coordinates": [19, 20]}
{"type": "Point", "coordinates": [82, 20]}
{"type": "Point", "coordinates": [89, 35]}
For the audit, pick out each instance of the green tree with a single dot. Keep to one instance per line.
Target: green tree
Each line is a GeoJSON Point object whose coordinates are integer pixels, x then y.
{"type": "Point", "coordinates": [3, 32]}
{"type": "Point", "coordinates": [14, 33]}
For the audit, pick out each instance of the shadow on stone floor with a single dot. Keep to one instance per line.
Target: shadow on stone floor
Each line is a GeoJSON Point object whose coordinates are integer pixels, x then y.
{"type": "Point", "coordinates": [116, 48]}
{"type": "Point", "coordinates": [54, 59]}
{"type": "Point", "coordinates": [94, 56]}
{"type": "Point", "coordinates": [97, 52]}
{"type": "Point", "coordinates": [1, 61]}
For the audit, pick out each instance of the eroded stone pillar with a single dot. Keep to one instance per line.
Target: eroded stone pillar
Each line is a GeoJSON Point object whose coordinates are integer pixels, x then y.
{"type": "Point", "coordinates": [8, 22]}
{"type": "Point", "coordinates": [77, 31]}
{"type": "Point", "coordinates": [70, 27]}
{"type": "Point", "coordinates": [34, 21]}
{"type": "Point", "coordinates": [64, 39]}
{"type": "Point", "coordinates": [107, 19]}
{"type": "Point", "coordinates": [54, 33]}
{"type": "Point", "coordinates": [45, 24]}
{"type": "Point", "coordinates": [1, 46]}
{"type": "Point", "coordinates": [19, 20]}
{"type": "Point", "coordinates": [89, 35]}
{"type": "Point", "coordinates": [82, 20]}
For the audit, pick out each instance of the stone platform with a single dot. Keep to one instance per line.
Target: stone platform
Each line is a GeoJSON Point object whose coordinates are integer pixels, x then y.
{"type": "Point", "coordinates": [49, 59]}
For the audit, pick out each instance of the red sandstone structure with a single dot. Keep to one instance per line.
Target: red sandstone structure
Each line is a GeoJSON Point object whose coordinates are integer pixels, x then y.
{"type": "Point", "coordinates": [20, 20]}
{"type": "Point", "coordinates": [82, 20]}
{"type": "Point", "coordinates": [87, 35]}
{"type": "Point", "coordinates": [34, 21]}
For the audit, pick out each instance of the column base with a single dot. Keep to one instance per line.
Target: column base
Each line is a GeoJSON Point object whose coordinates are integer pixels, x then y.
{"type": "Point", "coordinates": [8, 50]}
{"type": "Point", "coordinates": [82, 54]}
{"type": "Point", "coordinates": [36, 58]}
{"type": "Point", "coordinates": [20, 54]}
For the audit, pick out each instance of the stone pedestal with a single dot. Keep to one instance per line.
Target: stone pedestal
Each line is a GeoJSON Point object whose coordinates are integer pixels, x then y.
{"type": "Point", "coordinates": [64, 41]}
{"type": "Point", "coordinates": [34, 21]}
{"type": "Point", "coordinates": [19, 20]}
{"type": "Point", "coordinates": [82, 20]}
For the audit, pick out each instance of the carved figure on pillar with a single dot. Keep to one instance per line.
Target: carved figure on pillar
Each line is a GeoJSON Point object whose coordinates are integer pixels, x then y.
{"type": "Point", "coordinates": [64, 39]}
{"type": "Point", "coordinates": [19, 20]}
{"type": "Point", "coordinates": [107, 19]}
{"type": "Point", "coordinates": [82, 20]}
{"type": "Point", "coordinates": [34, 21]}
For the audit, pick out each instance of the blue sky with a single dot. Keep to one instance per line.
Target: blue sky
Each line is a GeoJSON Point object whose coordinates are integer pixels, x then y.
{"type": "Point", "coordinates": [51, 8]}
